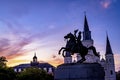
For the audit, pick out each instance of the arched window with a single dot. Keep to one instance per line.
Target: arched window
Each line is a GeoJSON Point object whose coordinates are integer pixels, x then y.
{"type": "Point", "coordinates": [109, 60]}
{"type": "Point", "coordinates": [111, 72]}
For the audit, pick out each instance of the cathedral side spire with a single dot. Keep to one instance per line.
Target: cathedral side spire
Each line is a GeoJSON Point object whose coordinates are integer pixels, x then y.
{"type": "Point", "coordinates": [110, 66]}
{"type": "Point", "coordinates": [86, 32]}
{"type": "Point", "coordinates": [108, 47]}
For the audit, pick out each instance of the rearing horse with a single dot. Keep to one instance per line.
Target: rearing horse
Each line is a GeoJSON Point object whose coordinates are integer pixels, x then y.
{"type": "Point", "coordinates": [70, 44]}
{"type": "Point", "coordinates": [75, 46]}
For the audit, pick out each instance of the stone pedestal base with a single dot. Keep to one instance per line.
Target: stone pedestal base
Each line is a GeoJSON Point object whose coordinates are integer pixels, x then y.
{"type": "Point", "coordinates": [77, 71]}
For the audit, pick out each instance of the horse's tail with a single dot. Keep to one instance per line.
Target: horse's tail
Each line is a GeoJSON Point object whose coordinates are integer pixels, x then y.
{"type": "Point", "coordinates": [94, 50]}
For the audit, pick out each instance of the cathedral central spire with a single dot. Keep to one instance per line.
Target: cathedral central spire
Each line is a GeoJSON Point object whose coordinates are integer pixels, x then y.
{"type": "Point", "coordinates": [86, 32]}
{"type": "Point", "coordinates": [86, 27]}
{"type": "Point", "coordinates": [108, 47]}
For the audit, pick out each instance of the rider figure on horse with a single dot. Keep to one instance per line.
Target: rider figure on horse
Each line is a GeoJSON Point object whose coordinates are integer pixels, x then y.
{"type": "Point", "coordinates": [74, 45]}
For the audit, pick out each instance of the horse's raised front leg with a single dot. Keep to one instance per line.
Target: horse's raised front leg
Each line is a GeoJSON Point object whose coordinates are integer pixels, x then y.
{"type": "Point", "coordinates": [61, 50]}
{"type": "Point", "coordinates": [63, 53]}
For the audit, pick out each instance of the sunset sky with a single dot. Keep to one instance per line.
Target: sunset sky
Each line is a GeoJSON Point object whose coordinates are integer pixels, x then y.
{"type": "Point", "coordinates": [29, 26]}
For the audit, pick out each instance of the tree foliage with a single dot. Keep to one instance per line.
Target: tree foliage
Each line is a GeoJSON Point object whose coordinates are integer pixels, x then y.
{"type": "Point", "coordinates": [3, 61]}
{"type": "Point", "coordinates": [34, 74]}
{"type": "Point", "coordinates": [7, 73]}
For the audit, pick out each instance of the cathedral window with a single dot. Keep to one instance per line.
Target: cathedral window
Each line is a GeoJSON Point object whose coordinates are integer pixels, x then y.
{"type": "Point", "coordinates": [109, 60]}
{"type": "Point", "coordinates": [111, 72]}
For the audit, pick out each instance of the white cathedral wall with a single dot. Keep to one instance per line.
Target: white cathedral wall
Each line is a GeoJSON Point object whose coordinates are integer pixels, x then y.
{"type": "Point", "coordinates": [78, 57]}
{"type": "Point", "coordinates": [110, 68]}
{"type": "Point", "coordinates": [87, 43]}
{"type": "Point", "coordinates": [67, 59]}
{"type": "Point", "coordinates": [90, 57]}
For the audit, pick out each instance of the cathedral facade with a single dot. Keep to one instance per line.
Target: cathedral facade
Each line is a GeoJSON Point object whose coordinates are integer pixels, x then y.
{"type": "Point", "coordinates": [107, 63]}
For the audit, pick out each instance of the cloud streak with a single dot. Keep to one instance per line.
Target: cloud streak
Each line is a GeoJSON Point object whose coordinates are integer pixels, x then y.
{"type": "Point", "coordinates": [14, 44]}
{"type": "Point", "coordinates": [56, 60]}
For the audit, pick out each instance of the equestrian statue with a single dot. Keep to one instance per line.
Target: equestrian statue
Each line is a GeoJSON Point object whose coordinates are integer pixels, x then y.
{"type": "Point", "coordinates": [74, 45]}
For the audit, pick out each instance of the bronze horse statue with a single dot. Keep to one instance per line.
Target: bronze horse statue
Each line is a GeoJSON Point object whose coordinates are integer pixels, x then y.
{"type": "Point", "coordinates": [74, 45]}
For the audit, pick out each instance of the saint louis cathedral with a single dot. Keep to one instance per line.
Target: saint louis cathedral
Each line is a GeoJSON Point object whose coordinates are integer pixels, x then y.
{"type": "Point", "coordinates": [107, 63]}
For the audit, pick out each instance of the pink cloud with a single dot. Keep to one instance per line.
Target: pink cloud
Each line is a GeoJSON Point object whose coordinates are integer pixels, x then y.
{"type": "Point", "coordinates": [106, 3]}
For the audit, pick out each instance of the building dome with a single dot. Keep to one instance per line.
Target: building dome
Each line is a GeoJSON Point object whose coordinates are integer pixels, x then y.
{"type": "Point", "coordinates": [35, 57]}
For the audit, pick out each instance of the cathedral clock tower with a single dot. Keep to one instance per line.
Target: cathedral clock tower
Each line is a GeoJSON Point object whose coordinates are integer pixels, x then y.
{"type": "Point", "coordinates": [110, 66]}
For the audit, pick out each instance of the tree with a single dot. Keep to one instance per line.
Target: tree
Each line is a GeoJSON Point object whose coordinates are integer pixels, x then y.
{"type": "Point", "coordinates": [3, 61]}
{"type": "Point", "coordinates": [33, 74]}
{"type": "Point", "coordinates": [7, 73]}
{"type": "Point", "coordinates": [50, 77]}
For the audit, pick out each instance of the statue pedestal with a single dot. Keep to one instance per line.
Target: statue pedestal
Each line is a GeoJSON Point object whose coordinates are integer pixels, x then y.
{"type": "Point", "coordinates": [77, 71]}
